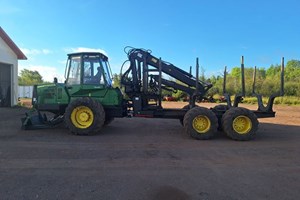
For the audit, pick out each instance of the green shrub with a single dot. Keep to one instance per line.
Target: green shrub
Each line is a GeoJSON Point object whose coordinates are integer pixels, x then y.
{"type": "Point", "coordinates": [285, 100]}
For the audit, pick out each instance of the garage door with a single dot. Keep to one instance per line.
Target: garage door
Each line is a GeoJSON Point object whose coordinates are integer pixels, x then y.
{"type": "Point", "coordinates": [5, 85]}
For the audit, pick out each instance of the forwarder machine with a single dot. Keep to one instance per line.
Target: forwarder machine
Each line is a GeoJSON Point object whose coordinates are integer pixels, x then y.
{"type": "Point", "coordinates": [87, 100]}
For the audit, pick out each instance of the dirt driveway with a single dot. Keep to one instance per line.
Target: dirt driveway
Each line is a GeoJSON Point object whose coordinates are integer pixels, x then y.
{"type": "Point", "coordinates": [149, 159]}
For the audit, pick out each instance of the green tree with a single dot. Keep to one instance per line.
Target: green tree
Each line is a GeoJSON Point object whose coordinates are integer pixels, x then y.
{"type": "Point", "coordinates": [292, 70]}
{"type": "Point", "coordinates": [236, 72]}
{"type": "Point", "coordinates": [116, 80]}
{"type": "Point", "coordinates": [215, 89]}
{"type": "Point", "coordinates": [179, 95]}
{"type": "Point", "coordinates": [273, 70]}
{"type": "Point", "coordinates": [261, 73]}
{"type": "Point", "coordinates": [292, 88]}
{"type": "Point", "coordinates": [28, 77]}
{"type": "Point", "coordinates": [267, 81]}
{"type": "Point", "coordinates": [202, 74]}
{"type": "Point", "coordinates": [259, 81]}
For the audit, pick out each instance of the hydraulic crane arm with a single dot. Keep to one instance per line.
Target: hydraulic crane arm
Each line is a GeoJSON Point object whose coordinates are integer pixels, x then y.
{"type": "Point", "coordinates": [142, 63]}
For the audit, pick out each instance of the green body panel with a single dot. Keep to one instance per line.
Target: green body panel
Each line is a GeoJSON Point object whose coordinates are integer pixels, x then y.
{"type": "Point", "coordinates": [106, 96]}
{"type": "Point", "coordinates": [52, 94]}
{"type": "Point", "coordinates": [60, 94]}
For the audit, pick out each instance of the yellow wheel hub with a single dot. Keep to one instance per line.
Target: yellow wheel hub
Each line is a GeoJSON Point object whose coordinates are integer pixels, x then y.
{"type": "Point", "coordinates": [242, 124]}
{"type": "Point", "coordinates": [82, 117]}
{"type": "Point", "coordinates": [201, 124]}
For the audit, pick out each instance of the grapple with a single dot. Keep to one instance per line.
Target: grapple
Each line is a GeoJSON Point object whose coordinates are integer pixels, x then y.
{"type": "Point", "coordinates": [34, 120]}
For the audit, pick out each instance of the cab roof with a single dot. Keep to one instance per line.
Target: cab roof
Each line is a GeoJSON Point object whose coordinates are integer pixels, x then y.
{"type": "Point", "coordinates": [104, 57]}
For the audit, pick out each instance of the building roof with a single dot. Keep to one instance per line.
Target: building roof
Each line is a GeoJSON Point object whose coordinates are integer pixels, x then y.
{"type": "Point", "coordinates": [12, 45]}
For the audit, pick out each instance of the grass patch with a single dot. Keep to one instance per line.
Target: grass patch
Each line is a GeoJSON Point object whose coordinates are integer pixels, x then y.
{"type": "Point", "coordinates": [285, 100]}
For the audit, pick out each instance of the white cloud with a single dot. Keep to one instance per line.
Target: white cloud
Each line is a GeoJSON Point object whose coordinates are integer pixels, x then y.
{"type": "Point", "coordinates": [34, 52]}
{"type": "Point", "coordinates": [46, 51]}
{"type": "Point", "coordinates": [48, 73]}
{"type": "Point", "coordinates": [29, 51]}
{"type": "Point", "coordinates": [83, 49]}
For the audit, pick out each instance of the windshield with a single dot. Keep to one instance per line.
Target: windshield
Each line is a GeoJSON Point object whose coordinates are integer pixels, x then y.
{"type": "Point", "coordinates": [107, 73]}
{"type": "Point", "coordinates": [96, 71]}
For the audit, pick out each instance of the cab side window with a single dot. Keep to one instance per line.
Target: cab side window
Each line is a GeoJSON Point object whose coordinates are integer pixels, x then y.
{"type": "Point", "coordinates": [93, 72]}
{"type": "Point", "coordinates": [74, 76]}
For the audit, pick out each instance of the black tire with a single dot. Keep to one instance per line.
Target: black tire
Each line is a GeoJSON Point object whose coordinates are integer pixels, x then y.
{"type": "Point", "coordinates": [220, 108]}
{"type": "Point", "coordinates": [108, 120]}
{"type": "Point", "coordinates": [181, 119]}
{"type": "Point", "coordinates": [207, 124]}
{"type": "Point", "coordinates": [240, 124]}
{"type": "Point", "coordinates": [84, 116]}
{"type": "Point", "coordinates": [185, 107]}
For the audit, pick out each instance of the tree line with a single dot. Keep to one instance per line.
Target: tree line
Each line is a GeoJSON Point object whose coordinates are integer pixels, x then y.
{"type": "Point", "coordinates": [29, 77]}
{"type": "Point", "coordinates": [267, 80]}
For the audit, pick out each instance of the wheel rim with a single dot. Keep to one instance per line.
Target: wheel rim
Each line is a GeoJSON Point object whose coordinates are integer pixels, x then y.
{"type": "Point", "coordinates": [82, 117]}
{"type": "Point", "coordinates": [242, 124]}
{"type": "Point", "coordinates": [201, 124]}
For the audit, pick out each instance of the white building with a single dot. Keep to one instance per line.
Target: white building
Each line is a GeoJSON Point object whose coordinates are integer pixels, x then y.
{"type": "Point", "coordinates": [9, 56]}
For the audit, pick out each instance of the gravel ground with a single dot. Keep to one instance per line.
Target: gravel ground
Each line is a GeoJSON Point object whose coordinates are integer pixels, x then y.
{"type": "Point", "coordinates": [149, 159]}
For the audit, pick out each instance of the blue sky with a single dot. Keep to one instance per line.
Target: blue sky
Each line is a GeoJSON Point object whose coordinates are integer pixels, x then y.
{"type": "Point", "coordinates": [218, 32]}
